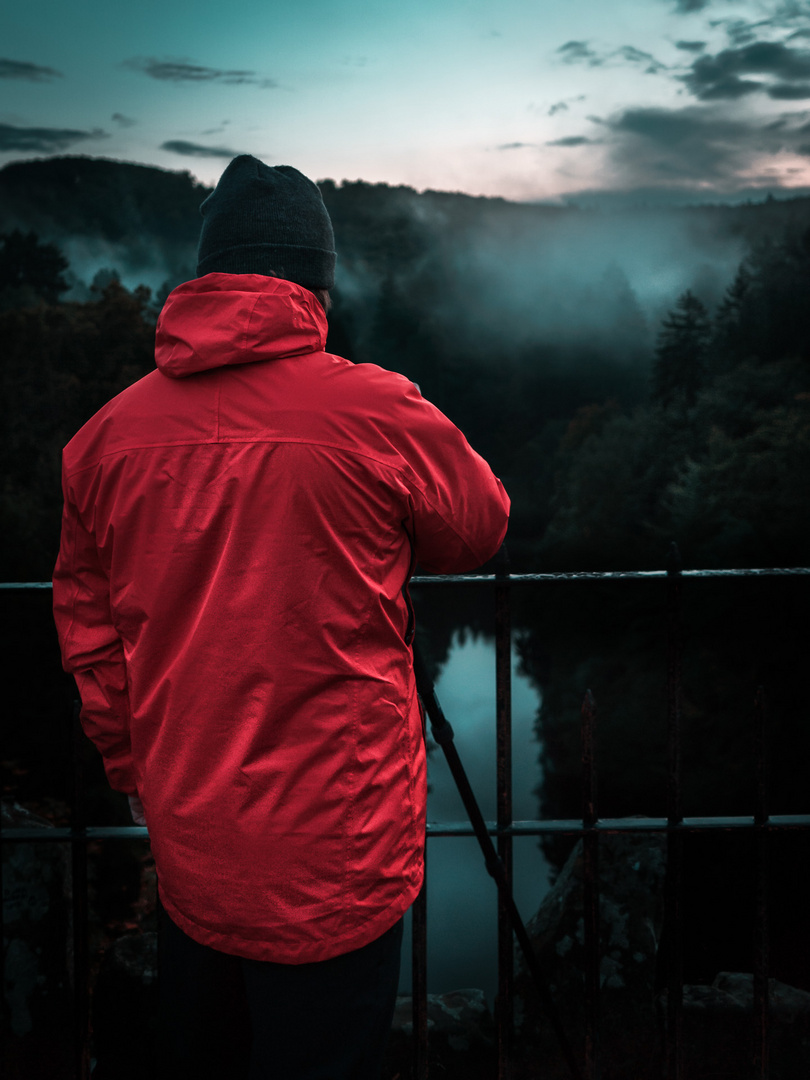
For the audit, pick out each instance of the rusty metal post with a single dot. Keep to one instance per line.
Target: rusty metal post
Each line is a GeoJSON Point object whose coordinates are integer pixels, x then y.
{"type": "Point", "coordinates": [503, 692]}
{"type": "Point", "coordinates": [590, 900]}
{"type": "Point", "coordinates": [673, 900]}
{"type": "Point", "coordinates": [761, 951]}
{"type": "Point", "coordinates": [419, 981]}
{"type": "Point", "coordinates": [79, 908]}
{"type": "Point", "coordinates": [4, 1025]}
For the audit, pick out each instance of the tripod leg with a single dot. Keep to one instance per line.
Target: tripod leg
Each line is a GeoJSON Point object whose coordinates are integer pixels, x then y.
{"type": "Point", "coordinates": [442, 732]}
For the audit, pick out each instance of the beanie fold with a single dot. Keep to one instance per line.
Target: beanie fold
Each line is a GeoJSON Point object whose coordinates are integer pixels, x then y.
{"type": "Point", "coordinates": [313, 268]}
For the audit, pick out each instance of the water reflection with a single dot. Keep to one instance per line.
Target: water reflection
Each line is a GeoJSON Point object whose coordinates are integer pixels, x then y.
{"type": "Point", "coordinates": [462, 898]}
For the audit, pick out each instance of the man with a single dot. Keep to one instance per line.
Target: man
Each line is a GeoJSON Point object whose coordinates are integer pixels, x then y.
{"type": "Point", "coordinates": [231, 594]}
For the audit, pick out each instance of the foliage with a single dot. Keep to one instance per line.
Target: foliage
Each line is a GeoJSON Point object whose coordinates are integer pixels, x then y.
{"type": "Point", "coordinates": [680, 355]}
{"type": "Point", "coordinates": [61, 363]}
{"type": "Point", "coordinates": [30, 270]}
{"type": "Point", "coordinates": [719, 460]}
{"type": "Point", "coordinates": [114, 199]}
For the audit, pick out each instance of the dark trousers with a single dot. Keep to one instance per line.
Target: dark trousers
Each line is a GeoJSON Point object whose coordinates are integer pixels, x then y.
{"type": "Point", "coordinates": [225, 1017]}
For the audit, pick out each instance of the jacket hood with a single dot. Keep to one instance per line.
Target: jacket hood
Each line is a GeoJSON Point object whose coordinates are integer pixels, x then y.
{"type": "Point", "coordinates": [224, 319]}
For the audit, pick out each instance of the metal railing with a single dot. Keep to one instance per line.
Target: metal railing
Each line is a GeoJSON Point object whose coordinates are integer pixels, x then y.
{"type": "Point", "coordinates": [590, 826]}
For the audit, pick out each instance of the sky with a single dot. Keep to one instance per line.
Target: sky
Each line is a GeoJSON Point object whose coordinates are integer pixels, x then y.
{"type": "Point", "coordinates": [544, 100]}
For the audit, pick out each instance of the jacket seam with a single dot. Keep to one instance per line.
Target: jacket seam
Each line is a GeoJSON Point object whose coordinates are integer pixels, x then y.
{"type": "Point", "coordinates": [74, 599]}
{"type": "Point", "coordinates": [219, 404]}
{"type": "Point", "coordinates": [279, 441]}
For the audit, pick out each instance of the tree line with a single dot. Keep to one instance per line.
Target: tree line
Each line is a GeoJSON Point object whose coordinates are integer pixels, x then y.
{"type": "Point", "coordinates": [707, 443]}
{"type": "Point", "coordinates": [718, 456]}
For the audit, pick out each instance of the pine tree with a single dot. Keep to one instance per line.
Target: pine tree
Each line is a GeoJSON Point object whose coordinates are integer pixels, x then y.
{"type": "Point", "coordinates": [681, 352]}
{"type": "Point", "coordinates": [733, 335]}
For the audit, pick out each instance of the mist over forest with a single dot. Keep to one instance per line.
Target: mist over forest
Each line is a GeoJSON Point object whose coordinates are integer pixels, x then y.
{"type": "Point", "coordinates": [537, 328]}
{"type": "Point", "coordinates": [515, 273]}
{"type": "Point", "coordinates": [635, 376]}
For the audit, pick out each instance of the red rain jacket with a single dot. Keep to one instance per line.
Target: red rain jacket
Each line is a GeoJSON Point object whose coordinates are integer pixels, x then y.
{"type": "Point", "coordinates": [239, 529]}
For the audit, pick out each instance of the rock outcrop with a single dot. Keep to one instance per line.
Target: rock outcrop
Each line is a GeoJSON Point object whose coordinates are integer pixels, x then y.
{"type": "Point", "coordinates": [461, 1038]}
{"type": "Point", "coordinates": [718, 1029]}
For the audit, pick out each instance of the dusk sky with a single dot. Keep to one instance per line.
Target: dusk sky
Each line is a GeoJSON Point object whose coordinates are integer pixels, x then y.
{"type": "Point", "coordinates": [526, 100]}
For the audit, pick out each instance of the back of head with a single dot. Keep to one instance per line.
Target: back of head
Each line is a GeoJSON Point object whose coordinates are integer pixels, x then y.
{"type": "Point", "coordinates": [267, 220]}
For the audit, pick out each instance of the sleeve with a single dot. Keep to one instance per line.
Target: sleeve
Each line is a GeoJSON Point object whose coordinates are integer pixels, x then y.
{"type": "Point", "coordinates": [460, 508]}
{"type": "Point", "coordinates": [91, 649]}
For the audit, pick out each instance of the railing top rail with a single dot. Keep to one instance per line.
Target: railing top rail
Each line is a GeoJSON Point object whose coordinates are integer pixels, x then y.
{"type": "Point", "coordinates": [570, 826]}
{"type": "Point", "coordinates": [574, 575]}
{"type": "Point", "coordinates": [612, 575]}
{"type": "Point", "coordinates": [25, 585]}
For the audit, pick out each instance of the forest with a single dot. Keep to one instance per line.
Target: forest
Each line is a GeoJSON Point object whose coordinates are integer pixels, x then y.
{"type": "Point", "coordinates": [634, 378]}
{"type": "Point", "coordinates": [617, 422]}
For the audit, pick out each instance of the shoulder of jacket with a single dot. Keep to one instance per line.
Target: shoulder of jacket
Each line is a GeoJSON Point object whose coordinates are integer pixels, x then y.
{"type": "Point", "coordinates": [88, 445]}
{"type": "Point", "coordinates": [387, 382]}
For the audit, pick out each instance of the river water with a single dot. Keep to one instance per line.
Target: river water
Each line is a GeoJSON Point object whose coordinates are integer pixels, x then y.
{"type": "Point", "coordinates": [462, 897]}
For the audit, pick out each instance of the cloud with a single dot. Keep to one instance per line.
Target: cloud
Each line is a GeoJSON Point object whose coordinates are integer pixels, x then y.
{"type": "Point", "coordinates": [123, 121]}
{"type": "Point", "coordinates": [719, 76]}
{"type": "Point", "coordinates": [190, 149]}
{"type": "Point", "coordinates": [789, 91]}
{"type": "Point", "coordinates": [784, 16]}
{"type": "Point", "coordinates": [180, 71]}
{"type": "Point", "coordinates": [636, 56]}
{"type": "Point", "coordinates": [43, 140]}
{"type": "Point", "coordinates": [517, 146]}
{"type": "Point", "coordinates": [562, 106]}
{"type": "Point", "coordinates": [729, 88]}
{"type": "Point", "coordinates": [684, 7]}
{"type": "Point", "coordinates": [580, 52]}
{"type": "Point", "coordinates": [691, 46]}
{"type": "Point", "coordinates": [678, 128]}
{"type": "Point", "coordinates": [573, 140]}
{"type": "Point", "coordinates": [696, 145]}
{"type": "Point", "coordinates": [738, 31]}
{"type": "Point", "coordinates": [21, 69]}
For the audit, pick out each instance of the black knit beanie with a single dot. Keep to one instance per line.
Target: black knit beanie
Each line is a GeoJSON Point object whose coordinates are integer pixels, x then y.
{"type": "Point", "coordinates": [264, 220]}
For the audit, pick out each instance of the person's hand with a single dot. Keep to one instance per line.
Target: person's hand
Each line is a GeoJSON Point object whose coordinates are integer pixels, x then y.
{"type": "Point", "coordinates": [136, 809]}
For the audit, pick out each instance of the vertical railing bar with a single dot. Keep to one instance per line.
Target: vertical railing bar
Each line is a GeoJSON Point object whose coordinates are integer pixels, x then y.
{"type": "Point", "coordinates": [419, 980]}
{"type": "Point", "coordinates": [674, 874]}
{"type": "Point", "coordinates": [590, 899]}
{"type": "Point", "coordinates": [761, 942]}
{"type": "Point", "coordinates": [79, 909]}
{"type": "Point", "coordinates": [3, 1034]}
{"type": "Point", "coordinates": [503, 693]}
